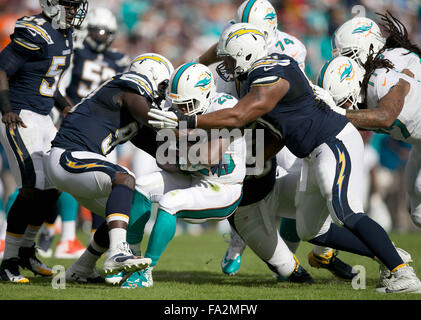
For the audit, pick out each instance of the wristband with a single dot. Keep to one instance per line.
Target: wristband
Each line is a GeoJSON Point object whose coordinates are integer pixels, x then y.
{"type": "Point", "coordinates": [191, 122]}
{"type": "Point", "coordinates": [5, 106]}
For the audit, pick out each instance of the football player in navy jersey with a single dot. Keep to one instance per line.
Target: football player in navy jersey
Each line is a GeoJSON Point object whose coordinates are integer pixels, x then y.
{"type": "Point", "coordinates": [93, 61]}
{"type": "Point", "coordinates": [30, 68]}
{"type": "Point", "coordinates": [110, 115]}
{"type": "Point", "coordinates": [280, 97]}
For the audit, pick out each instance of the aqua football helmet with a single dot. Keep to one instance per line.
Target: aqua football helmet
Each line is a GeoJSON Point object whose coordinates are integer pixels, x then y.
{"type": "Point", "coordinates": [342, 77]}
{"type": "Point", "coordinates": [102, 28]}
{"type": "Point", "coordinates": [157, 69]}
{"type": "Point", "coordinates": [261, 14]}
{"type": "Point", "coordinates": [356, 37]}
{"type": "Point", "coordinates": [65, 13]}
{"type": "Point", "coordinates": [191, 88]}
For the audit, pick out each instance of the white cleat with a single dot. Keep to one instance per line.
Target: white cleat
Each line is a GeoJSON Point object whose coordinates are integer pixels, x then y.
{"type": "Point", "coordinates": [404, 280]}
{"type": "Point", "coordinates": [76, 273]}
{"type": "Point", "coordinates": [121, 258]}
{"type": "Point", "coordinates": [386, 275]}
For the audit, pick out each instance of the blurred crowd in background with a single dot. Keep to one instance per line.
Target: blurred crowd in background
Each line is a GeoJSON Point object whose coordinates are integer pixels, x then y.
{"type": "Point", "coordinates": [182, 29]}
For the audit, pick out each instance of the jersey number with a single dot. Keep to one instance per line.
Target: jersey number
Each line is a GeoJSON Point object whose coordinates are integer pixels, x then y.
{"type": "Point", "coordinates": [121, 135]}
{"type": "Point", "coordinates": [95, 74]}
{"type": "Point", "coordinates": [53, 73]}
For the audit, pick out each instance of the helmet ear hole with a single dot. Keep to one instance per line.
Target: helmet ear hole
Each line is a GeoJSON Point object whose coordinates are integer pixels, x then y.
{"type": "Point", "coordinates": [248, 57]}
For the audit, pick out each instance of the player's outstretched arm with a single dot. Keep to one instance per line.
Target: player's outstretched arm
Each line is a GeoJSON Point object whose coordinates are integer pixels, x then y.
{"type": "Point", "coordinates": [137, 106]}
{"type": "Point", "coordinates": [209, 56]}
{"type": "Point", "coordinates": [386, 112]}
{"type": "Point", "coordinates": [259, 101]}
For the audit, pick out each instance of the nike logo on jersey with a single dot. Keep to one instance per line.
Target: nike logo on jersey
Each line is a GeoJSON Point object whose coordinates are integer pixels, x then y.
{"type": "Point", "coordinates": [267, 68]}
{"type": "Point", "coordinates": [33, 33]}
{"type": "Point", "coordinates": [384, 83]}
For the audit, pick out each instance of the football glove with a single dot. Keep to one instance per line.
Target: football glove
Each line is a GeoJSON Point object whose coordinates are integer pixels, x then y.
{"type": "Point", "coordinates": [322, 94]}
{"type": "Point", "coordinates": [170, 119]}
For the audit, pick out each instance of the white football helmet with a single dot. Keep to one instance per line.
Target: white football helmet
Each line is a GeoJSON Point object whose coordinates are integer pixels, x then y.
{"type": "Point", "coordinates": [355, 37]}
{"type": "Point", "coordinates": [192, 85]}
{"type": "Point", "coordinates": [102, 28]}
{"type": "Point", "coordinates": [260, 13]}
{"type": "Point", "coordinates": [65, 13]}
{"type": "Point", "coordinates": [157, 69]}
{"type": "Point", "coordinates": [342, 77]}
{"type": "Point", "coordinates": [245, 44]}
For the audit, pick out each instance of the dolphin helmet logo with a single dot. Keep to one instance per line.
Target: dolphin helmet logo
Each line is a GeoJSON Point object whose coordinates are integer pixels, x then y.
{"type": "Point", "coordinates": [346, 71]}
{"type": "Point", "coordinates": [363, 28]}
{"type": "Point", "coordinates": [204, 82]}
{"type": "Point", "coordinates": [270, 17]}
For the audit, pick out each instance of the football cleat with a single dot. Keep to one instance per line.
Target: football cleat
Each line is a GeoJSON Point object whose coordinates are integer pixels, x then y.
{"type": "Point", "coordinates": [139, 279]}
{"type": "Point", "coordinates": [117, 278]}
{"type": "Point", "coordinates": [386, 275]}
{"type": "Point", "coordinates": [69, 249]}
{"type": "Point", "coordinates": [78, 274]}
{"type": "Point", "coordinates": [121, 258]}
{"type": "Point", "coordinates": [231, 262]}
{"type": "Point", "coordinates": [331, 262]}
{"type": "Point", "coordinates": [231, 266]}
{"type": "Point", "coordinates": [28, 260]}
{"type": "Point", "coordinates": [299, 275]}
{"type": "Point", "coordinates": [44, 244]}
{"type": "Point", "coordinates": [9, 271]}
{"type": "Point", "coordinates": [404, 280]}
{"type": "Point", "coordinates": [2, 245]}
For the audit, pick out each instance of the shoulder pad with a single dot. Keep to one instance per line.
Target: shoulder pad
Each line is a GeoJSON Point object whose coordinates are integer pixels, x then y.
{"type": "Point", "coordinates": [141, 83]}
{"type": "Point", "coordinates": [32, 32]}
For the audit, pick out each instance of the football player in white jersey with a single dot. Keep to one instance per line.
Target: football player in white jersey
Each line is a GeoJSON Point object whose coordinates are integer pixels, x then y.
{"type": "Point", "coordinates": [262, 14]}
{"type": "Point", "coordinates": [207, 190]}
{"type": "Point", "coordinates": [357, 36]}
{"type": "Point", "coordinates": [391, 106]}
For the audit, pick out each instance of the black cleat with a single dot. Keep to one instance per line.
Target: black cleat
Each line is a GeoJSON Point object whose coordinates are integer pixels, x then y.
{"type": "Point", "coordinates": [28, 260]}
{"type": "Point", "coordinates": [299, 275]}
{"type": "Point", "coordinates": [331, 262]}
{"type": "Point", "coordinates": [9, 271]}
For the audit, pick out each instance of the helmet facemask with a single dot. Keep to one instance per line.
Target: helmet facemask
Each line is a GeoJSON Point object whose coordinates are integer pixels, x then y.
{"type": "Point", "coordinates": [65, 13]}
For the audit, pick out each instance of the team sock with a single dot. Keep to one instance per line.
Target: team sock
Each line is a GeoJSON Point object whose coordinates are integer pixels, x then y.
{"type": "Point", "coordinates": [162, 233]}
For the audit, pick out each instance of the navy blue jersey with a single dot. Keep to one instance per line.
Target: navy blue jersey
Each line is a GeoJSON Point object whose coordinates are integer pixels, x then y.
{"type": "Point", "coordinates": [303, 122]}
{"type": "Point", "coordinates": [90, 68]}
{"type": "Point", "coordinates": [98, 123]}
{"type": "Point", "coordinates": [255, 188]}
{"type": "Point", "coordinates": [44, 53]}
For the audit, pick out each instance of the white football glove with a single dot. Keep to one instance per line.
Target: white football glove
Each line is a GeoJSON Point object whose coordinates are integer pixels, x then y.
{"type": "Point", "coordinates": [170, 119]}
{"type": "Point", "coordinates": [163, 119]}
{"type": "Point", "coordinates": [324, 95]}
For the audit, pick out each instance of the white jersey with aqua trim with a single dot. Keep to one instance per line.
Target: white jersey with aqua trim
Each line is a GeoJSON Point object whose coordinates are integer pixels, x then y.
{"type": "Point", "coordinates": [287, 44]}
{"type": "Point", "coordinates": [407, 126]}
{"type": "Point", "coordinates": [404, 59]}
{"type": "Point", "coordinates": [235, 155]}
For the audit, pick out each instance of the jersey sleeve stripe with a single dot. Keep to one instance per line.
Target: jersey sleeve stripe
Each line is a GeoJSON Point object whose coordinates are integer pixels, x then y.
{"type": "Point", "coordinates": [264, 84]}
{"type": "Point", "coordinates": [29, 46]}
{"type": "Point", "coordinates": [44, 34]}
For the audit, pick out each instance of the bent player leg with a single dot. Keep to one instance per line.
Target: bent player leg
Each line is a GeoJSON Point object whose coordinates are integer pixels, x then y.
{"type": "Point", "coordinates": [260, 233]}
{"type": "Point", "coordinates": [344, 201]}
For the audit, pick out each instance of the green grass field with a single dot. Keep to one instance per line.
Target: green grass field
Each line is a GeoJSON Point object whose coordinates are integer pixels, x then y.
{"type": "Point", "coordinates": [190, 270]}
